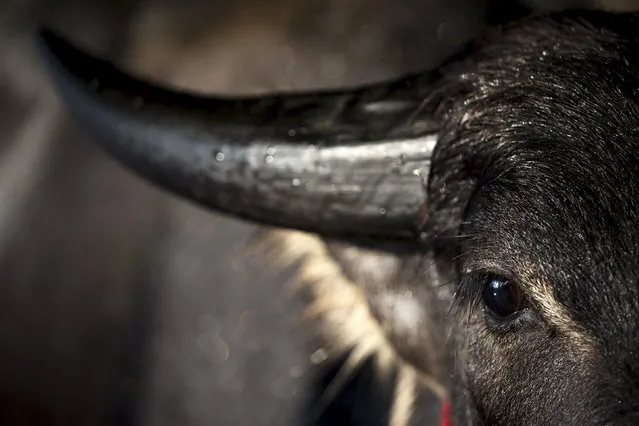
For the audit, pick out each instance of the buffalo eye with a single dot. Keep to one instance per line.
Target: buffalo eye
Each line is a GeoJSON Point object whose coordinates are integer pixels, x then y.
{"type": "Point", "coordinates": [502, 297]}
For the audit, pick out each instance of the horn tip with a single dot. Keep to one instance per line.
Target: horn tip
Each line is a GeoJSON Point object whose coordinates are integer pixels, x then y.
{"type": "Point", "coordinates": [47, 41]}
{"type": "Point", "coordinates": [66, 65]}
{"type": "Point", "coordinates": [51, 49]}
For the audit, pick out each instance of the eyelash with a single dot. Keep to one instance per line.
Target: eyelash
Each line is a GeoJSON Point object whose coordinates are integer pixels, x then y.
{"type": "Point", "coordinates": [468, 295]}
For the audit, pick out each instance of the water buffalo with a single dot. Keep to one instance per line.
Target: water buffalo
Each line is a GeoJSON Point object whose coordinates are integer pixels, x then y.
{"type": "Point", "coordinates": [471, 229]}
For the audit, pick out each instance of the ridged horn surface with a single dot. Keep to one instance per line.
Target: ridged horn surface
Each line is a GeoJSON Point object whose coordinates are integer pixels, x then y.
{"type": "Point", "coordinates": [338, 163]}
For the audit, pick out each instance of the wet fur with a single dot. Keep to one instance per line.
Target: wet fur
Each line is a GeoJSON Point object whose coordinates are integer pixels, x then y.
{"type": "Point", "coordinates": [537, 163]}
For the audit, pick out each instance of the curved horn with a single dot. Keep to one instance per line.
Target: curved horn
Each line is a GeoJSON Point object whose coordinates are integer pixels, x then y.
{"type": "Point", "coordinates": [338, 163]}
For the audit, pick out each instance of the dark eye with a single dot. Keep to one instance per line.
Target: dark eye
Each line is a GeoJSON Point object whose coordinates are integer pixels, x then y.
{"type": "Point", "coordinates": [502, 297]}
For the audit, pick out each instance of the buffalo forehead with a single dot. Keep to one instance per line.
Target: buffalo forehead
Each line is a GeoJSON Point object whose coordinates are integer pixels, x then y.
{"type": "Point", "coordinates": [566, 222]}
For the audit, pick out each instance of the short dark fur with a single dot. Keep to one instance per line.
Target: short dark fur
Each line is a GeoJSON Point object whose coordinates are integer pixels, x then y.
{"type": "Point", "coordinates": [538, 163]}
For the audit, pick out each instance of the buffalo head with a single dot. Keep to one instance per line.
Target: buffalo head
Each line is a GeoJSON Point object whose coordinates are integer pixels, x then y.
{"type": "Point", "coordinates": [487, 212]}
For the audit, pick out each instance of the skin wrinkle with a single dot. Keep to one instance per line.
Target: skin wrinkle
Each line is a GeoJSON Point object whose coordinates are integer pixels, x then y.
{"type": "Point", "coordinates": [559, 316]}
{"type": "Point", "coordinates": [541, 292]}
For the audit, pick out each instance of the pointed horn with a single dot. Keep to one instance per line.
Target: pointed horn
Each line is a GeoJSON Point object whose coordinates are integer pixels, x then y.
{"type": "Point", "coordinates": [338, 163]}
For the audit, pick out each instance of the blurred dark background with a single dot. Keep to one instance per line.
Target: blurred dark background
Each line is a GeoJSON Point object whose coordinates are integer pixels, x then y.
{"type": "Point", "coordinates": [121, 305]}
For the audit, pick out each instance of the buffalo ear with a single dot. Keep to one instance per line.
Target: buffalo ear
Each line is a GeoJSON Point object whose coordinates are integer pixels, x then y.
{"type": "Point", "coordinates": [338, 163]}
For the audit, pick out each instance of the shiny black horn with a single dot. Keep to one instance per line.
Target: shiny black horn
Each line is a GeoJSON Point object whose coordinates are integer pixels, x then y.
{"type": "Point", "coordinates": [338, 163]}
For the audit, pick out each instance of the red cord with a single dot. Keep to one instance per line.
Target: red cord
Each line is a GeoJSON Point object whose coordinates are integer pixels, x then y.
{"type": "Point", "coordinates": [446, 415]}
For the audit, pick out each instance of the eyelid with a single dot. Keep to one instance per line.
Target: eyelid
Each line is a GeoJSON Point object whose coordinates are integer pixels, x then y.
{"type": "Point", "coordinates": [468, 295]}
{"type": "Point", "coordinates": [471, 287]}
